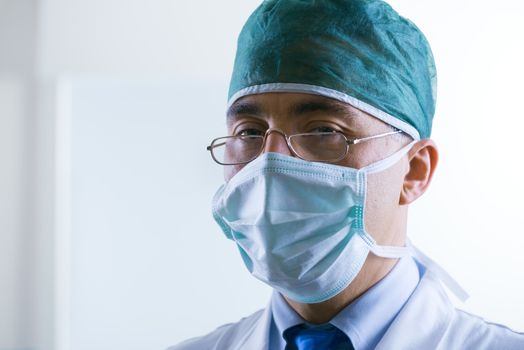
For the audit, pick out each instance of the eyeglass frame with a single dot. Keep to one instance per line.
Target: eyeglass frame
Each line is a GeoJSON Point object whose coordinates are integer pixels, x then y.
{"type": "Point", "coordinates": [287, 138]}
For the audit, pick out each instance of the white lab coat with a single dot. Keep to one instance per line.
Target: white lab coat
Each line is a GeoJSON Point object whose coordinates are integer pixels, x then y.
{"type": "Point", "coordinates": [427, 321]}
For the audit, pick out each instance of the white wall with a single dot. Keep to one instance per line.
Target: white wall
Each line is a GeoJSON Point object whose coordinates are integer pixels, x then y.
{"type": "Point", "coordinates": [468, 221]}
{"type": "Point", "coordinates": [141, 184]}
{"type": "Point", "coordinates": [17, 47]}
{"type": "Point", "coordinates": [14, 257]}
{"type": "Point", "coordinates": [139, 38]}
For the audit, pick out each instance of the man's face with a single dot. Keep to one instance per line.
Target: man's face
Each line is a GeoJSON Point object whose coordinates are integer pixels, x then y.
{"type": "Point", "coordinates": [301, 113]}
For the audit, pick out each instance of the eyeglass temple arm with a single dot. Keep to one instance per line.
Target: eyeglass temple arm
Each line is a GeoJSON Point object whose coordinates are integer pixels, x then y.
{"type": "Point", "coordinates": [367, 138]}
{"type": "Point", "coordinates": [210, 147]}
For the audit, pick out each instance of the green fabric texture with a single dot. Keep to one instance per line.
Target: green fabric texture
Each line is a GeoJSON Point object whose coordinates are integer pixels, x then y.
{"type": "Point", "coordinates": [360, 48]}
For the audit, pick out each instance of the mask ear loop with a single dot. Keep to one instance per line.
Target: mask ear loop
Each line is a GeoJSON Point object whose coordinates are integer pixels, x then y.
{"type": "Point", "coordinates": [391, 252]}
{"type": "Point", "coordinates": [383, 251]}
{"type": "Point", "coordinates": [389, 161]}
{"type": "Point", "coordinates": [398, 252]}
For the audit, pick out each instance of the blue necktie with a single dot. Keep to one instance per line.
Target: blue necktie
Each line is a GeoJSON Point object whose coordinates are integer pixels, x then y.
{"type": "Point", "coordinates": [324, 337]}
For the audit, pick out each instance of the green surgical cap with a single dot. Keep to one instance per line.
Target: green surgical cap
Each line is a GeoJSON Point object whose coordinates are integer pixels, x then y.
{"type": "Point", "coordinates": [359, 52]}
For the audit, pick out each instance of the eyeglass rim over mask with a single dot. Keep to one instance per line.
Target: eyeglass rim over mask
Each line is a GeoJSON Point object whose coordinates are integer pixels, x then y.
{"type": "Point", "coordinates": [348, 142]}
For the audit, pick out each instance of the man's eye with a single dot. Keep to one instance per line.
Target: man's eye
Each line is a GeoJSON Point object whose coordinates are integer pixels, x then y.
{"type": "Point", "coordinates": [323, 129]}
{"type": "Point", "coordinates": [249, 132]}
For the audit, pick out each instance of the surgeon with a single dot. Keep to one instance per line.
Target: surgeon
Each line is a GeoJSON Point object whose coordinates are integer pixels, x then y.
{"type": "Point", "coordinates": [328, 142]}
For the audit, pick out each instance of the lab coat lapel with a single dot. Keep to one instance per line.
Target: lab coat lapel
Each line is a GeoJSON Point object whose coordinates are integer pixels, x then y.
{"type": "Point", "coordinates": [257, 335]}
{"type": "Point", "coordinates": [423, 320]}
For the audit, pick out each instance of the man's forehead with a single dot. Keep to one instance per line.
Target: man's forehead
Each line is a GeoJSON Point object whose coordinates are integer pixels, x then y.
{"type": "Point", "coordinates": [293, 104]}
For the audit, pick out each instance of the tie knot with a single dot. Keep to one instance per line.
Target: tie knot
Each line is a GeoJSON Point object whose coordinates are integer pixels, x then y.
{"type": "Point", "coordinates": [305, 337]}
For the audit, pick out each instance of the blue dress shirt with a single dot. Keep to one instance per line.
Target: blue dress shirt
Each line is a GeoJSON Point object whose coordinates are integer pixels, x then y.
{"type": "Point", "coordinates": [366, 319]}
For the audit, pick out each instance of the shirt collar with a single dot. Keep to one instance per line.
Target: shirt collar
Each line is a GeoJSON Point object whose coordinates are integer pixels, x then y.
{"type": "Point", "coordinates": [368, 317]}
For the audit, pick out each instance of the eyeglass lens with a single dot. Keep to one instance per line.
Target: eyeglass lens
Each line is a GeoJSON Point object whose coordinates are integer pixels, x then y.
{"type": "Point", "coordinates": [313, 147]}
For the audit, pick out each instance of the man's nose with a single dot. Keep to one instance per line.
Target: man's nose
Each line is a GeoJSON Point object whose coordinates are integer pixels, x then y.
{"type": "Point", "coordinates": [276, 142]}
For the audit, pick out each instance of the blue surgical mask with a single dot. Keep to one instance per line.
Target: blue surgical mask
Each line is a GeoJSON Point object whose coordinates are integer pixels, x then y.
{"type": "Point", "coordinates": [299, 225]}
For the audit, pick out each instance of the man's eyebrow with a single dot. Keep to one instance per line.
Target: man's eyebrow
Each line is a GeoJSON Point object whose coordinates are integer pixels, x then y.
{"type": "Point", "coordinates": [243, 108]}
{"type": "Point", "coordinates": [327, 106]}
{"type": "Point", "coordinates": [303, 107]}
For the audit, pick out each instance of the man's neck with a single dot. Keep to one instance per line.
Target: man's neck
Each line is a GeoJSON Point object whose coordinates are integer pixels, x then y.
{"type": "Point", "coordinates": [374, 269]}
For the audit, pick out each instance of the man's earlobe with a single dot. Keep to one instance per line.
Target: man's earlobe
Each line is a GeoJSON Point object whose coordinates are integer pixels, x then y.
{"type": "Point", "coordinates": [423, 158]}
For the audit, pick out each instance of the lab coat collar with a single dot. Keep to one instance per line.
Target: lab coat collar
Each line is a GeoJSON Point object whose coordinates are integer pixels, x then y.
{"type": "Point", "coordinates": [256, 337]}
{"type": "Point", "coordinates": [421, 324]}
{"type": "Point", "coordinates": [424, 319]}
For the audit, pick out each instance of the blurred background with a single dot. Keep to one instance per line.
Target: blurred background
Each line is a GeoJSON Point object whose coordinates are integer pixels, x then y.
{"type": "Point", "coordinates": [106, 106]}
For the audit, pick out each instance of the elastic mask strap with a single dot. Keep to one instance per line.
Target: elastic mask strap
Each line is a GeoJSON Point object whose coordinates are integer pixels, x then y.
{"type": "Point", "coordinates": [445, 277]}
{"type": "Point", "coordinates": [398, 252]}
{"type": "Point", "coordinates": [386, 251]}
{"type": "Point", "coordinates": [389, 161]}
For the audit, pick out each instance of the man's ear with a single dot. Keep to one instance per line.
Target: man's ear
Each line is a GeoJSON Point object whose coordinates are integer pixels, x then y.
{"type": "Point", "coordinates": [423, 158]}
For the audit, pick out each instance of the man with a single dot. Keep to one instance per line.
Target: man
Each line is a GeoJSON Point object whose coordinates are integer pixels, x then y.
{"type": "Point", "coordinates": [330, 112]}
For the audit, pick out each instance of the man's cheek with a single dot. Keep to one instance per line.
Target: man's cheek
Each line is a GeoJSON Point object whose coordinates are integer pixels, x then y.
{"type": "Point", "coordinates": [232, 170]}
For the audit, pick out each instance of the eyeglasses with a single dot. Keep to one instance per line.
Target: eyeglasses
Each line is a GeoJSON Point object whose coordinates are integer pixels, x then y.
{"type": "Point", "coordinates": [315, 146]}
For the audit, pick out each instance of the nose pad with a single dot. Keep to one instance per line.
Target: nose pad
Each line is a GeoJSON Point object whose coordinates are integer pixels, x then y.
{"type": "Point", "coordinates": [276, 142]}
